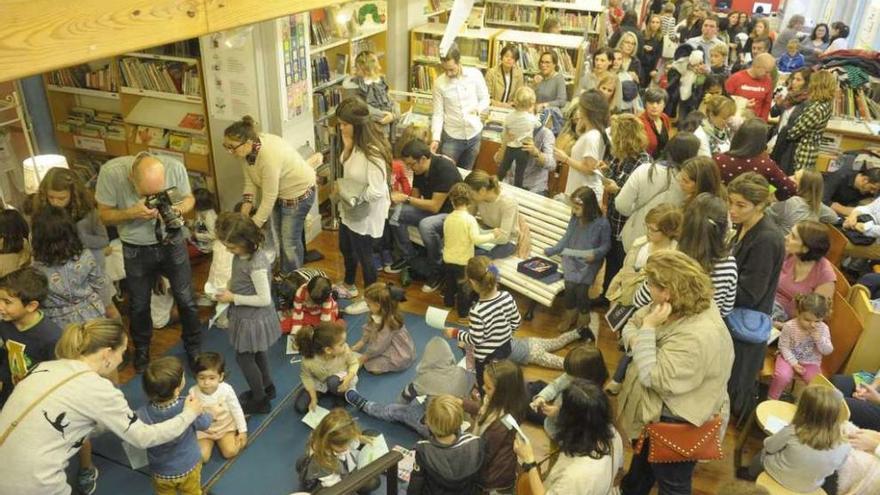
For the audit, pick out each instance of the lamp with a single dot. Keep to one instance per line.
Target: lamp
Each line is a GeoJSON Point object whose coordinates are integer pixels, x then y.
{"type": "Point", "coordinates": [35, 169]}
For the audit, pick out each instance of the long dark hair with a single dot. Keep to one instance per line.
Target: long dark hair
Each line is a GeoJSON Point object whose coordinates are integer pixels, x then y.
{"type": "Point", "coordinates": [842, 30]}
{"type": "Point", "coordinates": [55, 239]}
{"type": "Point", "coordinates": [367, 136]}
{"type": "Point", "coordinates": [239, 230]}
{"type": "Point", "coordinates": [585, 421]}
{"type": "Point", "coordinates": [704, 230]}
{"type": "Point", "coordinates": [14, 231]}
{"type": "Point", "coordinates": [586, 198]}
{"type": "Point", "coordinates": [594, 110]}
{"type": "Point", "coordinates": [510, 391]}
{"type": "Point", "coordinates": [750, 139]}
{"type": "Point", "coordinates": [827, 37]}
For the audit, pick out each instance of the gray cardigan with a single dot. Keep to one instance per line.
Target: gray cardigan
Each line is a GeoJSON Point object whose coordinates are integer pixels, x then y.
{"type": "Point", "coordinates": [552, 91]}
{"type": "Point", "coordinates": [799, 467]}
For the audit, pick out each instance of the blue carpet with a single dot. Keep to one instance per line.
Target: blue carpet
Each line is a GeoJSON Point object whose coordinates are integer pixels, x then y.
{"type": "Point", "coordinates": [276, 439]}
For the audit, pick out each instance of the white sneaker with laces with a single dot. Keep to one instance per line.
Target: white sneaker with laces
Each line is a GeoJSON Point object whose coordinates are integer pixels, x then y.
{"type": "Point", "coordinates": [356, 308]}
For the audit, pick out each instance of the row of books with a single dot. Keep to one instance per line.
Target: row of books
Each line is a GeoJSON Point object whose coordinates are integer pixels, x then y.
{"type": "Point", "coordinates": [855, 104]}
{"type": "Point", "coordinates": [512, 14]}
{"type": "Point", "coordinates": [322, 29]}
{"type": "Point", "coordinates": [93, 123]}
{"type": "Point", "coordinates": [83, 76]}
{"type": "Point", "coordinates": [423, 78]}
{"type": "Point", "coordinates": [160, 75]}
{"type": "Point", "coordinates": [177, 141]}
{"type": "Point", "coordinates": [321, 72]}
{"type": "Point", "coordinates": [473, 51]}
{"type": "Point", "coordinates": [529, 55]}
{"type": "Point", "coordinates": [86, 165]}
{"type": "Point", "coordinates": [576, 21]}
{"type": "Point", "coordinates": [324, 102]}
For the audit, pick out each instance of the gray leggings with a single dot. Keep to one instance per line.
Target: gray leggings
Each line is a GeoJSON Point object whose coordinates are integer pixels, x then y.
{"type": "Point", "coordinates": [302, 400]}
{"type": "Point", "coordinates": [255, 367]}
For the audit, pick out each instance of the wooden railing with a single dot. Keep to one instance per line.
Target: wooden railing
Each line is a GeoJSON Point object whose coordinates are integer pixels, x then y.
{"type": "Point", "coordinates": [364, 476]}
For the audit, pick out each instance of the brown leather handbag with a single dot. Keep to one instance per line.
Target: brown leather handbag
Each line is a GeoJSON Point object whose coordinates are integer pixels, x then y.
{"type": "Point", "coordinates": [683, 442]}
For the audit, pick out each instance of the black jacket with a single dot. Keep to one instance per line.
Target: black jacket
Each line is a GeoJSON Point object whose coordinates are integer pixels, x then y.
{"type": "Point", "coordinates": [448, 469]}
{"type": "Point", "coordinates": [759, 259]}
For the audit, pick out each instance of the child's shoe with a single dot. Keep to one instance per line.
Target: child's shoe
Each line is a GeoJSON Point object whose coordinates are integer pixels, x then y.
{"type": "Point", "coordinates": [252, 406]}
{"type": "Point", "coordinates": [87, 480]}
{"type": "Point", "coordinates": [586, 334]}
{"type": "Point", "coordinates": [357, 308]}
{"type": "Point", "coordinates": [354, 398]}
{"type": "Point", "coordinates": [345, 292]}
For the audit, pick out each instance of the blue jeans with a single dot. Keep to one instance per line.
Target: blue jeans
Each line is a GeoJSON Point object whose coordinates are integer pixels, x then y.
{"type": "Point", "coordinates": [498, 252]}
{"type": "Point", "coordinates": [143, 264]}
{"type": "Point", "coordinates": [288, 223]}
{"type": "Point", "coordinates": [430, 228]}
{"type": "Point", "coordinates": [409, 414]}
{"type": "Point", "coordinates": [462, 151]}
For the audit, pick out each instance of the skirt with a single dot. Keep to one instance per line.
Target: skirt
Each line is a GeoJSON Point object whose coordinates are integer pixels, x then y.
{"type": "Point", "coordinates": [253, 329]}
{"type": "Point", "coordinates": [222, 423]}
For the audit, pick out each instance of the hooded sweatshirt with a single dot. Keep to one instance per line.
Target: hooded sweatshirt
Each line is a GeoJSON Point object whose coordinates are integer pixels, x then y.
{"type": "Point", "coordinates": [447, 469]}
{"type": "Point", "coordinates": [437, 372]}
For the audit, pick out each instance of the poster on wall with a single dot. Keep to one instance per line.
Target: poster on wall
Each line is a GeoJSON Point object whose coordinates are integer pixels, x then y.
{"type": "Point", "coordinates": [229, 67]}
{"type": "Point", "coordinates": [870, 26]}
{"type": "Point", "coordinates": [294, 43]}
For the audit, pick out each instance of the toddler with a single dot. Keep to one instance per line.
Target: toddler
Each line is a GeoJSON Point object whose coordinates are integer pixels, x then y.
{"type": "Point", "coordinates": [329, 366]}
{"type": "Point", "coordinates": [802, 343]}
{"type": "Point", "coordinates": [792, 59]}
{"type": "Point", "coordinates": [228, 427]}
{"type": "Point", "coordinates": [388, 346]}
{"type": "Point", "coordinates": [519, 126]}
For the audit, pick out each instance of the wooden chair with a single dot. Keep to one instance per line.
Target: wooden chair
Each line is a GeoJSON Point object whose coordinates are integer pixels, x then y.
{"type": "Point", "coordinates": [841, 284]}
{"type": "Point", "coordinates": [864, 355]}
{"type": "Point", "coordinates": [775, 488]}
{"type": "Point", "coordinates": [845, 329]}
{"type": "Point", "coordinates": [838, 244]}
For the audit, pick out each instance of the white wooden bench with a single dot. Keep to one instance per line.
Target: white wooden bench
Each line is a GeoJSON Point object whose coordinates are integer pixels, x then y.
{"type": "Point", "coordinates": [547, 220]}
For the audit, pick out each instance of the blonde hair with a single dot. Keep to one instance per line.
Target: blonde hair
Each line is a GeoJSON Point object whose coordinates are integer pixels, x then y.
{"type": "Point", "coordinates": [818, 417]}
{"type": "Point", "coordinates": [810, 188]}
{"type": "Point", "coordinates": [85, 339]}
{"type": "Point", "coordinates": [718, 105]}
{"type": "Point", "coordinates": [719, 48]}
{"type": "Point", "coordinates": [482, 273]}
{"type": "Point", "coordinates": [337, 429]}
{"type": "Point", "coordinates": [688, 284]}
{"type": "Point", "coordinates": [444, 416]}
{"type": "Point", "coordinates": [524, 98]}
{"type": "Point", "coordinates": [628, 35]}
{"type": "Point", "coordinates": [480, 179]}
{"type": "Point", "coordinates": [368, 63]}
{"type": "Point", "coordinates": [823, 86]}
{"type": "Point", "coordinates": [411, 133]}
{"type": "Point", "coordinates": [792, 43]}
{"type": "Point", "coordinates": [628, 137]}
{"type": "Point", "coordinates": [460, 195]}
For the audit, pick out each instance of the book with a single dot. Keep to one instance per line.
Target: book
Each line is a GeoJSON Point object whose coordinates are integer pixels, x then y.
{"type": "Point", "coordinates": [152, 136]}
{"type": "Point", "coordinates": [192, 121]}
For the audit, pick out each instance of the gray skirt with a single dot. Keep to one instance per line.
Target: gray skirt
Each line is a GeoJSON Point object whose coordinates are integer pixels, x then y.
{"type": "Point", "coordinates": [253, 329]}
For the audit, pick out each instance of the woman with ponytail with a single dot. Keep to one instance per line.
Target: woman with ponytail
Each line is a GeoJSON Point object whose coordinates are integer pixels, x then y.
{"type": "Point", "coordinates": [285, 181]}
{"type": "Point", "coordinates": [52, 412]}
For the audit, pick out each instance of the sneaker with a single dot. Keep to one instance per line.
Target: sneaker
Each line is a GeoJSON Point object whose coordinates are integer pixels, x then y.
{"type": "Point", "coordinates": [432, 285]}
{"type": "Point", "coordinates": [354, 398]}
{"type": "Point", "coordinates": [405, 277]}
{"type": "Point", "coordinates": [377, 262]}
{"type": "Point", "coordinates": [251, 407]}
{"type": "Point", "coordinates": [344, 292]}
{"type": "Point", "coordinates": [387, 260]}
{"type": "Point", "coordinates": [87, 480]}
{"type": "Point", "coordinates": [397, 266]}
{"type": "Point", "coordinates": [204, 300]}
{"type": "Point", "coordinates": [613, 387]}
{"type": "Point", "coordinates": [357, 308]}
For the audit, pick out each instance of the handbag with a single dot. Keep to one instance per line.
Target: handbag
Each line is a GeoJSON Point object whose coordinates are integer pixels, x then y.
{"type": "Point", "coordinates": [858, 238]}
{"type": "Point", "coordinates": [351, 197]}
{"type": "Point", "coordinates": [34, 404]}
{"type": "Point", "coordinates": [748, 325]}
{"type": "Point", "coordinates": [682, 442]}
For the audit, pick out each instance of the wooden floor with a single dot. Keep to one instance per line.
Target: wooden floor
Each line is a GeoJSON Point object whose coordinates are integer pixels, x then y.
{"type": "Point", "coordinates": [708, 477]}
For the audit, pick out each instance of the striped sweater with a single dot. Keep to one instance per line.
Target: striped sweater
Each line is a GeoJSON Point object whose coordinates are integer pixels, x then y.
{"type": "Point", "coordinates": [492, 322]}
{"type": "Point", "coordinates": [724, 276]}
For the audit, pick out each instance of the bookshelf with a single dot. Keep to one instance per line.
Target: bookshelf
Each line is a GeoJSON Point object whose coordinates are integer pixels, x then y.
{"type": "Point", "coordinates": [518, 15]}
{"type": "Point", "coordinates": [576, 18]}
{"type": "Point", "coordinates": [128, 104]}
{"type": "Point", "coordinates": [475, 46]}
{"type": "Point", "coordinates": [569, 48]}
{"type": "Point", "coordinates": [584, 18]}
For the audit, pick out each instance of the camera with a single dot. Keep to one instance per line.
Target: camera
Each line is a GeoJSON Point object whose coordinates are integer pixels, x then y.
{"type": "Point", "coordinates": [162, 202]}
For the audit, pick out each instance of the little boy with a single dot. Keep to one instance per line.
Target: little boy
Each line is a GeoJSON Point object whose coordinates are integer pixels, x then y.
{"type": "Point", "coordinates": [792, 59]}
{"type": "Point", "coordinates": [718, 59]}
{"type": "Point", "coordinates": [176, 465]}
{"type": "Point", "coordinates": [26, 335]}
{"type": "Point", "coordinates": [519, 126]}
{"type": "Point", "coordinates": [450, 462]}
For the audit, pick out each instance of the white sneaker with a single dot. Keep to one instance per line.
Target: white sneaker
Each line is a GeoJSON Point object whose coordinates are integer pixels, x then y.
{"type": "Point", "coordinates": [356, 308]}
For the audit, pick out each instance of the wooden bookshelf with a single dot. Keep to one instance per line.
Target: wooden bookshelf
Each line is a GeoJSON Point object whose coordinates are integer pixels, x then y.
{"type": "Point", "coordinates": [475, 46]}
{"type": "Point", "coordinates": [586, 18]}
{"type": "Point", "coordinates": [569, 48]}
{"type": "Point", "coordinates": [522, 15]}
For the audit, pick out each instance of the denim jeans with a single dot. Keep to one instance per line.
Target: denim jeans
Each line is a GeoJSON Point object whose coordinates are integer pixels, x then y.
{"type": "Point", "coordinates": [143, 264]}
{"type": "Point", "coordinates": [357, 250]}
{"type": "Point", "coordinates": [430, 228]}
{"type": "Point", "coordinates": [288, 223]}
{"type": "Point", "coordinates": [462, 151]}
{"type": "Point", "coordinates": [409, 414]}
{"type": "Point", "coordinates": [672, 478]}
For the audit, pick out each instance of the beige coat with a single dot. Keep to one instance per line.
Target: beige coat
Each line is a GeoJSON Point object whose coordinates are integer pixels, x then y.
{"type": "Point", "coordinates": [495, 82]}
{"type": "Point", "coordinates": [694, 359]}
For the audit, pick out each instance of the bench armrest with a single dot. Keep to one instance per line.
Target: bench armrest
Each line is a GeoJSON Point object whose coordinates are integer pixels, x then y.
{"type": "Point", "coordinates": [363, 476]}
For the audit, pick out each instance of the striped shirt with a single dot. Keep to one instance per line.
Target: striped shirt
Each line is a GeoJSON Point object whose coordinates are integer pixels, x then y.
{"type": "Point", "coordinates": [724, 276]}
{"type": "Point", "coordinates": [492, 322]}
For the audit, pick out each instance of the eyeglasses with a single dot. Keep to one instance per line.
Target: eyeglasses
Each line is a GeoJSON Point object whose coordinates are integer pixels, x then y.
{"type": "Point", "coordinates": [232, 149]}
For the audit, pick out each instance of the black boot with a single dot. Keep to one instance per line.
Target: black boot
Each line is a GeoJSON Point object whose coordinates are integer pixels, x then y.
{"type": "Point", "coordinates": [192, 353]}
{"type": "Point", "coordinates": [271, 393]}
{"type": "Point", "coordinates": [141, 359]}
{"type": "Point", "coordinates": [252, 406]}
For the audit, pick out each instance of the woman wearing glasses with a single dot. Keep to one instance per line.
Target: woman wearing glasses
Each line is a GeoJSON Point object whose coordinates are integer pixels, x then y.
{"type": "Point", "coordinates": [549, 83]}
{"type": "Point", "coordinates": [286, 183]}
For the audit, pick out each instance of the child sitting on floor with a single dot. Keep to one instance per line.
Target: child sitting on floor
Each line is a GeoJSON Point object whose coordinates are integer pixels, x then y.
{"type": "Point", "coordinates": [802, 343]}
{"type": "Point", "coordinates": [329, 366]}
{"type": "Point", "coordinates": [177, 465]}
{"type": "Point", "coordinates": [229, 427]}
{"type": "Point", "coordinates": [313, 303]}
{"type": "Point", "coordinates": [387, 344]}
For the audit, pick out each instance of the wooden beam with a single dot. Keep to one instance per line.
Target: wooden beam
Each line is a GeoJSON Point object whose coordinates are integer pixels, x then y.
{"type": "Point", "coordinates": [41, 35]}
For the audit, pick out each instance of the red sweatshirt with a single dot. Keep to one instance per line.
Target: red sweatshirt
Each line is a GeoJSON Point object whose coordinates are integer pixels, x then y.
{"type": "Point", "coordinates": [760, 90]}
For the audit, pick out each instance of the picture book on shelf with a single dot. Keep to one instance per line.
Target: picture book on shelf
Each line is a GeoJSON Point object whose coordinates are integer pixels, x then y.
{"type": "Point", "coordinates": [152, 136]}
{"type": "Point", "coordinates": [192, 121]}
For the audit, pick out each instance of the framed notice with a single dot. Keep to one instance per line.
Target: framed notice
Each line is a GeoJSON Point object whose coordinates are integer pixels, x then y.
{"type": "Point", "coordinates": [90, 143]}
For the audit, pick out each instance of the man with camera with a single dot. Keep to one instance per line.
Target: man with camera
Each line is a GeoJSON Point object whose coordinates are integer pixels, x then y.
{"type": "Point", "coordinates": [145, 198]}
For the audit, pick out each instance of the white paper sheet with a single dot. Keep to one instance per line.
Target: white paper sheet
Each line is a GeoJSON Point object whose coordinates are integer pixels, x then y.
{"type": "Point", "coordinates": [314, 417]}
{"type": "Point", "coordinates": [212, 291]}
{"type": "Point", "coordinates": [137, 458]}
{"type": "Point", "coordinates": [511, 424]}
{"type": "Point", "coordinates": [774, 424]}
{"type": "Point", "coordinates": [436, 317]}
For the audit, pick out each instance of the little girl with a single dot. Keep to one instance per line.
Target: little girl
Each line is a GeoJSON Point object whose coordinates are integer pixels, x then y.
{"type": "Point", "coordinates": [802, 343]}
{"type": "Point", "coordinates": [331, 453]}
{"type": "Point", "coordinates": [313, 303]}
{"type": "Point", "coordinates": [492, 319]}
{"type": "Point", "coordinates": [62, 189]}
{"type": "Point", "coordinates": [505, 393]}
{"type": "Point", "coordinates": [228, 427]}
{"type": "Point", "coordinates": [15, 248]}
{"type": "Point", "coordinates": [253, 323]}
{"type": "Point", "coordinates": [389, 346]}
{"type": "Point", "coordinates": [329, 366]}
{"type": "Point", "coordinates": [583, 247]}
{"type": "Point", "coordinates": [75, 282]}
{"type": "Point", "coordinates": [801, 455]}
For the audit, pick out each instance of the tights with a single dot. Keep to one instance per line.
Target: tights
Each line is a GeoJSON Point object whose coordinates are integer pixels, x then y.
{"type": "Point", "coordinates": [255, 367]}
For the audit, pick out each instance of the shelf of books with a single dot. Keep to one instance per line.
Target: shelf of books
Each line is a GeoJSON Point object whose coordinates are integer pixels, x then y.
{"type": "Point", "coordinates": [513, 14]}
{"type": "Point", "coordinates": [576, 18]}
{"type": "Point", "coordinates": [474, 44]}
{"type": "Point", "coordinates": [568, 48]}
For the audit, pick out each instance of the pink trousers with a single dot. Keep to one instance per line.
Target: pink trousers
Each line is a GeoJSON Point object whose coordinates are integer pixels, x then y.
{"type": "Point", "coordinates": [783, 374]}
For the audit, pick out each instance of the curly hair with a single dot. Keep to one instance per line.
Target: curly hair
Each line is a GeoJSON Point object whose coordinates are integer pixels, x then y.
{"type": "Point", "coordinates": [82, 202]}
{"type": "Point", "coordinates": [55, 238]}
{"type": "Point", "coordinates": [628, 137]}
{"type": "Point", "coordinates": [688, 284]}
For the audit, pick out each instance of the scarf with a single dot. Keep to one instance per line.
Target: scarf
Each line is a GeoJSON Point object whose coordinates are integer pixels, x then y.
{"type": "Point", "coordinates": [716, 136]}
{"type": "Point", "coordinates": [251, 157]}
{"type": "Point", "coordinates": [795, 98]}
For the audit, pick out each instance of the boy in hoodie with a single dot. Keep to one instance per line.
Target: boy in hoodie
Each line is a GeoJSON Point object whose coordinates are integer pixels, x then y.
{"type": "Point", "coordinates": [450, 462]}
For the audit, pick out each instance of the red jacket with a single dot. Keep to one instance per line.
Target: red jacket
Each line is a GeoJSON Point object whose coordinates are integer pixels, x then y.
{"type": "Point", "coordinates": [760, 90]}
{"type": "Point", "coordinates": [651, 149]}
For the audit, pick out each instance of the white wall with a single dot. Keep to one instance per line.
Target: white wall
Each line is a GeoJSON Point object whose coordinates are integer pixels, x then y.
{"type": "Point", "coordinates": [403, 15]}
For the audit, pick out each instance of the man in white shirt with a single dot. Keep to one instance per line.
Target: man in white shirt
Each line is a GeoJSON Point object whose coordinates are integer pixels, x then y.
{"type": "Point", "coordinates": [460, 96]}
{"type": "Point", "coordinates": [708, 39]}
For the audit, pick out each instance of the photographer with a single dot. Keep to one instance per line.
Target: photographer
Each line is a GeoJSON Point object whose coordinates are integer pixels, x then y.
{"type": "Point", "coordinates": [133, 194]}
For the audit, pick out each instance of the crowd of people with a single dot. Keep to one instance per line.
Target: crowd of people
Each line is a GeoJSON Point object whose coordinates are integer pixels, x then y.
{"type": "Point", "coordinates": [701, 225]}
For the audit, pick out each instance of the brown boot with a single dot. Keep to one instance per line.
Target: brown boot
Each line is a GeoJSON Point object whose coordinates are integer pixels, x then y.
{"type": "Point", "coordinates": [568, 320]}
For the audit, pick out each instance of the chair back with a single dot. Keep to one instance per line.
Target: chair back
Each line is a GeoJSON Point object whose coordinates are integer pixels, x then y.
{"type": "Point", "coordinates": [841, 284]}
{"type": "Point", "coordinates": [845, 328]}
{"type": "Point", "coordinates": [838, 244]}
{"type": "Point", "coordinates": [865, 356]}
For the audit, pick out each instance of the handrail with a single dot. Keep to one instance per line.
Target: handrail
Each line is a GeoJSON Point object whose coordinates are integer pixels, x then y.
{"type": "Point", "coordinates": [363, 476]}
